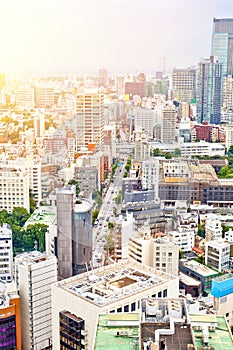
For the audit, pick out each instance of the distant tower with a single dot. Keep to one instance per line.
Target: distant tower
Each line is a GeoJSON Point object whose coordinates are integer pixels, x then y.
{"type": "Point", "coordinates": [74, 232]}
{"type": "Point", "coordinates": [209, 91]}
{"type": "Point", "coordinates": [222, 44]}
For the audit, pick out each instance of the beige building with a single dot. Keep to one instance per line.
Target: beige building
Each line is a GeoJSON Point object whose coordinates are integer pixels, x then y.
{"type": "Point", "coordinates": [35, 273]}
{"type": "Point", "coordinates": [159, 253]}
{"type": "Point", "coordinates": [169, 124]}
{"type": "Point", "coordinates": [114, 288]}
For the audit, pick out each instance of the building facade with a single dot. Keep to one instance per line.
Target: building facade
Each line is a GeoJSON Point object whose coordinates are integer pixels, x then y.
{"type": "Point", "coordinates": [34, 274]}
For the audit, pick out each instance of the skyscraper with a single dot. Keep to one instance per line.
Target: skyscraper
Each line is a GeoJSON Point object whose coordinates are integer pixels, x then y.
{"type": "Point", "coordinates": [209, 91]}
{"type": "Point", "coordinates": [222, 43]}
{"type": "Point", "coordinates": [90, 120]}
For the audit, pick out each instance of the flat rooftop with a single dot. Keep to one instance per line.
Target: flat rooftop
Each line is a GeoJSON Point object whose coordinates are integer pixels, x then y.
{"type": "Point", "coordinates": [199, 268]}
{"type": "Point", "coordinates": [117, 331]}
{"type": "Point", "coordinates": [46, 215]}
{"type": "Point", "coordinates": [219, 339]}
{"type": "Point", "coordinates": [111, 283]}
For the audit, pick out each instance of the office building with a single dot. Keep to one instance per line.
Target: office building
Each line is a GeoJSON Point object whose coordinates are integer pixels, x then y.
{"type": "Point", "coordinates": [89, 120]}
{"type": "Point", "coordinates": [123, 230]}
{"type": "Point", "coordinates": [10, 320]}
{"type": "Point", "coordinates": [145, 120]}
{"type": "Point", "coordinates": [222, 291]}
{"type": "Point", "coordinates": [184, 84]}
{"type": "Point", "coordinates": [184, 238]}
{"type": "Point", "coordinates": [34, 274]}
{"type": "Point", "coordinates": [217, 254]}
{"type": "Point", "coordinates": [169, 124]}
{"type": "Point", "coordinates": [209, 91]}
{"type": "Point", "coordinates": [6, 253]}
{"type": "Point", "coordinates": [14, 189]}
{"type": "Point", "coordinates": [44, 97]}
{"type": "Point", "coordinates": [227, 93]}
{"type": "Point", "coordinates": [114, 288]}
{"type": "Point", "coordinates": [222, 44]}
{"type": "Point", "coordinates": [24, 97]}
{"type": "Point", "coordinates": [74, 232]}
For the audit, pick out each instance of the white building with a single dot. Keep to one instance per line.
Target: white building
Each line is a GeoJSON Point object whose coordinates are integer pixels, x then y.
{"type": "Point", "coordinates": [184, 238]}
{"type": "Point", "coordinates": [213, 228]}
{"type": "Point", "coordinates": [33, 171]}
{"type": "Point", "coordinates": [145, 119]}
{"type": "Point", "coordinates": [150, 175]}
{"type": "Point", "coordinates": [159, 253]}
{"type": "Point", "coordinates": [123, 230]}
{"type": "Point", "coordinates": [229, 235]}
{"type": "Point", "coordinates": [35, 273]}
{"type": "Point", "coordinates": [217, 254]}
{"type": "Point", "coordinates": [6, 253]}
{"type": "Point", "coordinates": [14, 189]}
{"type": "Point", "coordinates": [114, 288]}
{"type": "Point", "coordinates": [202, 148]}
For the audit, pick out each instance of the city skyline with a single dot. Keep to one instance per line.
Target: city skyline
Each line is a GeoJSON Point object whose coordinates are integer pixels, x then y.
{"type": "Point", "coordinates": [78, 36]}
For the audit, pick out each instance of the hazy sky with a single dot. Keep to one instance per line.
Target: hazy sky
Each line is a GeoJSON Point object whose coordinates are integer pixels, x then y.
{"type": "Point", "coordinates": [120, 35]}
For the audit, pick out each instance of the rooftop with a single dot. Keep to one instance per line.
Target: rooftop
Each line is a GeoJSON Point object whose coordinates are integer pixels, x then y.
{"type": "Point", "coordinates": [46, 215]}
{"type": "Point", "coordinates": [199, 268]}
{"type": "Point", "coordinates": [119, 331]}
{"type": "Point", "coordinates": [111, 283]}
{"type": "Point", "coordinates": [219, 333]}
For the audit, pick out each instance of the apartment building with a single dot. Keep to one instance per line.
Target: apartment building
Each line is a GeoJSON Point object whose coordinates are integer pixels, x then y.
{"type": "Point", "coordinates": [6, 253]}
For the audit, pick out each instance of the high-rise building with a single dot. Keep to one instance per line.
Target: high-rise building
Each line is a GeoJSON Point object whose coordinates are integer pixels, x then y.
{"type": "Point", "coordinates": [44, 96]}
{"type": "Point", "coordinates": [74, 232]}
{"type": "Point", "coordinates": [10, 327]}
{"type": "Point", "coordinates": [169, 124]}
{"type": "Point", "coordinates": [35, 273]}
{"type": "Point", "coordinates": [6, 253]}
{"type": "Point", "coordinates": [150, 175]}
{"type": "Point", "coordinates": [184, 84]}
{"type": "Point", "coordinates": [227, 93]}
{"type": "Point", "coordinates": [209, 91]}
{"type": "Point", "coordinates": [222, 43]}
{"type": "Point", "coordinates": [89, 120]}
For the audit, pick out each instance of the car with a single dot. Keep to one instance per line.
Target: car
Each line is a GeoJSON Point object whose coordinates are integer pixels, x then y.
{"type": "Point", "coordinates": [105, 225]}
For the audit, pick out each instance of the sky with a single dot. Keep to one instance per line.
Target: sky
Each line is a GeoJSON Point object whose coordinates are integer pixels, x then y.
{"type": "Point", "coordinates": [80, 36]}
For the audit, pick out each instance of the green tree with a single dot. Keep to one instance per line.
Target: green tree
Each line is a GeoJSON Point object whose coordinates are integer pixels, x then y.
{"type": "Point", "coordinates": [110, 225]}
{"type": "Point", "coordinates": [95, 214]}
{"type": "Point", "coordinates": [75, 182]}
{"type": "Point", "coordinates": [177, 152]}
{"type": "Point", "coordinates": [109, 243]}
{"type": "Point", "coordinates": [21, 215]}
{"type": "Point", "coordinates": [201, 231]}
{"type": "Point", "coordinates": [32, 201]}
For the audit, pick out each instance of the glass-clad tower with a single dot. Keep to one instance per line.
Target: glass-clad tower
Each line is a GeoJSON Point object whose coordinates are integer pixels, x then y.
{"type": "Point", "coordinates": [222, 44]}
{"type": "Point", "coordinates": [209, 91]}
